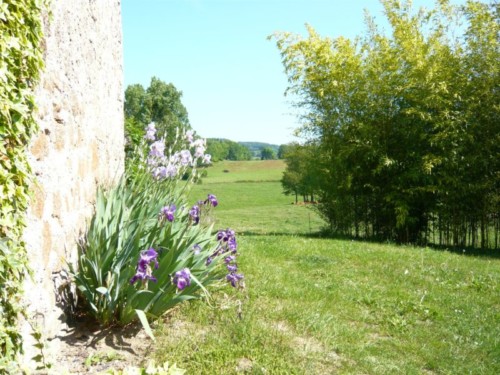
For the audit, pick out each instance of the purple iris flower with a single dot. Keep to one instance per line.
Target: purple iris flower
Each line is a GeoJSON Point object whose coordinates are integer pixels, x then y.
{"type": "Point", "coordinates": [143, 271]}
{"type": "Point", "coordinates": [182, 278]}
{"type": "Point", "coordinates": [157, 149]}
{"type": "Point", "coordinates": [150, 132]}
{"type": "Point", "coordinates": [226, 235]}
{"type": "Point", "coordinates": [234, 278]}
{"type": "Point", "coordinates": [231, 244]}
{"type": "Point", "coordinates": [194, 212]}
{"type": "Point", "coordinates": [196, 249]}
{"type": "Point", "coordinates": [209, 261]}
{"type": "Point", "coordinates": [167, 212]}
{"type": "Point", "coordinates": [221, 235]}
{"type": "Point", "coordinates": [190, 136]}
{"type": "Point", "coordinates": [160, 172]}
{"type": "Point", "coordinates": [232, 268]}
{"type": "Point", "coordinates": [227, 241]}
{"type": "Point", "coordinates": [207, 159]}
{"type": "Point", "coordinates": [171, 171]}
{"type": "Point", "coordinates": [212, 199]}
{"type": "Point", "coordinates": [199, 152]}
{"type": "Point", "coordinates": [186, 157]}
{"type": "Point", "coordinates": [149, 256]}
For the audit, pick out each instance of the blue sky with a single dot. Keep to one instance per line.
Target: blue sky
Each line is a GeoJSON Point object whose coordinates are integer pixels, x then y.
{"type": "Point", "coordinates": [217, 53]}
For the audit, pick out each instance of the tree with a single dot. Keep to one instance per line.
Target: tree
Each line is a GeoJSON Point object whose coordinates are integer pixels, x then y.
{"type": "Point", "coordinates": [218, 148]}
{"type": "Point", "coordinates": [301, 173]}
{"type": "Point", "coordinates": [238, 152]}
{"type": "Point", "coordinates": [282, 151]}
{"type": "Point", "coordinates": [407, 124]}
{"type": "Point", "coordinates": [159, 103]}
{"type": "Point", "coordinates": [291, 183]}
{"type": "Point", "coordinates": [267, 153]}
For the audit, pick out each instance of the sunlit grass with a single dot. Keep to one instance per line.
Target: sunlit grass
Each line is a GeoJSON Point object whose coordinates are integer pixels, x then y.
{"type": "Point", "coordinates": [321, 306]}
{"type": "Point", "coordinates": [251, 199]}
{"type": "Point", "coordinates": [250, 207]}
{"type": "Point", "coordinates": [255, 170]}
{"type": "Point", "coordinates": [324, 306]}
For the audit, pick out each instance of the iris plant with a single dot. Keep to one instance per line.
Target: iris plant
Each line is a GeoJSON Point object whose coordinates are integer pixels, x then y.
{"type": "Point", "coordinates": [140, 199]}
{"type": "Point", "coordinates": [196, 249]}
{"type": "Point", "coordinates": [157, 149]}
{"type": "Point", "coordinates": [234, 278]}
{"type": "Point", "coordinates": [212, 200]}
{"type": "Point", "coordinates": [182, 278]}
{"type": "Point", "coordinates": [227, 244]}
{"type": "Point", "coordinates": [162, 166]}
{"type": "Point", "coordinates": [194, 212]}
{"type": "Point", "coordinates": [143, 271]}
{"type": "Point", "coordinates": [167, 212]}
{"type": "Point", "coordinates": [150, 132]}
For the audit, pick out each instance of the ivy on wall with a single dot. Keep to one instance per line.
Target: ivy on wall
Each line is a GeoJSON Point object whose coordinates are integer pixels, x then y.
{"type": "Point", "coordinates": [21, 61]}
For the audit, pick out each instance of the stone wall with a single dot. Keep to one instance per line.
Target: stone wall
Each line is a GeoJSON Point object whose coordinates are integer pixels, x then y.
{"type": "Point", "coordinates": [79, 145]}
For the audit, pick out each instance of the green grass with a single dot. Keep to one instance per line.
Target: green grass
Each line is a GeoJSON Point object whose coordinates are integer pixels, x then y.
{"type": "Point", "coordinates": [325, 306]}
{"type": "Point", "coordinates": [237, 171]}
{"type": "Point", "coordinates": [251, 199]}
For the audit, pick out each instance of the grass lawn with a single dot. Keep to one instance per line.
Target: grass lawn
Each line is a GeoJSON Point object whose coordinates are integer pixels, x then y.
{"type": "Point", "coordinates": [240, 171]}
{"type": "Point", "coordinates": [324, 306]}
{"type": "Point", "coordinates": [251, 200]}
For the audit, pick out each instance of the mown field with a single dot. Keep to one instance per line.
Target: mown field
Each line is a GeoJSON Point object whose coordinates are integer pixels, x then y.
{"type": "Point", "coordinates": [251, 199]}
{"type": "Point", "coordinates": [315, 305]}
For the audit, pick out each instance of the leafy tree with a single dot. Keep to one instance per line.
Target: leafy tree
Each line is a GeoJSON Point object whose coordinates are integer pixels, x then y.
{"type": "Point", "coordinates": [407, 124]}
{"type": "Point", "coordinates": [267, 153]}
{"type": "Point", "coordinates": [159, 103]}
{"type": "Point", "coordinates": [238, 152]}
{"type": "Point", "coordinates": [135, 104]}
{"type": "Point", "coordinates": [218, 148]}
{"type": "Point", "coordinates": [470, 185]}
{"type": "Point", "coordinates": [301, 174]}
{"type": "Point", "coordinates": [291, 183]}
{"type": "Point", "coordinates": [282, 151]}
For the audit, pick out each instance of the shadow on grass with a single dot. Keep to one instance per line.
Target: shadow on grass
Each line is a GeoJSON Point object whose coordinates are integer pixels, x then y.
{"type": "Point", "coordinates": [326, 234]}
{"type": "Point", "coordinates": [468, 251]}
{"type": "Point", "coordinates": [290, 234]}
{"type": "Point", "coordinates": [83, 330]}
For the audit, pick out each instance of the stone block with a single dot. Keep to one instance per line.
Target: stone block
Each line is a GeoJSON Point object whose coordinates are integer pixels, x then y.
{"type": "Point", "coordinates": [40, 146]}
{"type": "Point", "coordinates": [38, 201]}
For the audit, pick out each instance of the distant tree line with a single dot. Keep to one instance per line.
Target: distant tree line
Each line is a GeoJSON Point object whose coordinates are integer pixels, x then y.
{"type": "Point", "coordinates": [224, 149]}
{"type": "Point", "coordinates": [256, 149]}
{"type": "Point", "coordinates": [402, 131]}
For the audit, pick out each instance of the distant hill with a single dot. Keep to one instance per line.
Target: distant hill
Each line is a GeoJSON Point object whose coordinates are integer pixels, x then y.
{"type": "Point", "coordinates": [255, 147]}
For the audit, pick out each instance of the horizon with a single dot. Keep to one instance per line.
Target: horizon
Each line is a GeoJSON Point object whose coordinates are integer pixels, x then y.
{"type": "Point", "coordinates": [257, 142]}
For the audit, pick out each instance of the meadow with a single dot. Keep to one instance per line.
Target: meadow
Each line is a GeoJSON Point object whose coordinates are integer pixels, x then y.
{"type": "Point", "coordinates": [251, 201]}
{"type": "Point", "coordinates": [314, 305]}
